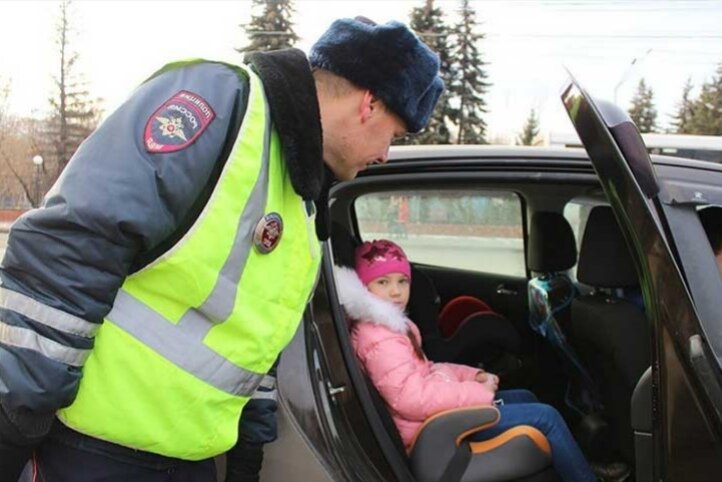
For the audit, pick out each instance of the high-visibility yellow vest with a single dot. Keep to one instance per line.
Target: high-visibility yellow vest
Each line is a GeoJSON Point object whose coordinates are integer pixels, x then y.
{"type": "Point", "coordinates": [191, 335]}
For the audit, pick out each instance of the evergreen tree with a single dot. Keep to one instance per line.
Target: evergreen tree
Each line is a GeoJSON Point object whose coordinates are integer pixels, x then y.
{"type": "Point", "coordinates": [272, 29]}
{"type": "Point", "coordinates": [74, 114]}
{"type": "Point", "coordinates": [530, 130]}
{"type": "Point", "coordinates": [642, 111]}
{"type": "Point", "coordinates": [428, 23]}
{"type": "Point", "coordinates": [682, 119]}
{"type": "Point", "coordinates": [707, 109]}
{"type": "Point", "coordinates": [469, 84]}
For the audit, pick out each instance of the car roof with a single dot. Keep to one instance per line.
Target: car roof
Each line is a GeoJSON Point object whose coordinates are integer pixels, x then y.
{"type": "Point", "coordinates": [468, 152]}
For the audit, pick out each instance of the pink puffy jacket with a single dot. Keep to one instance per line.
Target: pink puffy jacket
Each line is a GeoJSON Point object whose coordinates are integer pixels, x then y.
{"type": "Point", "coordinates": [414, 389]}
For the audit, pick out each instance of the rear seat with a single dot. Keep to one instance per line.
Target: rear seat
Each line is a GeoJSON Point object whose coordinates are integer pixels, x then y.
{"type": "Point", "coordinates": [552, 251]}
{"type": "Point", "coordinates": [610, 330]}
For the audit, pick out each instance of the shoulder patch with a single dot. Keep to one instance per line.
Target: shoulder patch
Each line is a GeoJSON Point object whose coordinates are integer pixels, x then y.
{"type": "Point", "coordinates": [177, 123]}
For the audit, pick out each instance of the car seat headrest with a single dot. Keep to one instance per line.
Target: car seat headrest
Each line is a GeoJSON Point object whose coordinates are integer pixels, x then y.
{"type": "Point", "coordinates": [604, 259]}
{"type": "Point", "coordinates": [552, 246]}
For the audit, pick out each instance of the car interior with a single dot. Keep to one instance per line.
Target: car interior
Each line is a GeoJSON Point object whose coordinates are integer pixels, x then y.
{"type": "Point", "coordinates": [560, 314]}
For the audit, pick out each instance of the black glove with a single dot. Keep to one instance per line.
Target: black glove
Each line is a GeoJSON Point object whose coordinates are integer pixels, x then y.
{"type": "Point", "coordinates": [243, 462]}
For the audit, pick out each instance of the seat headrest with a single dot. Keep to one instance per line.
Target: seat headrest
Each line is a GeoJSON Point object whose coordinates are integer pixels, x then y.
{"type": "Point", "coordinates": [343, 244]}
{"type": "Point", "coordinates": [604, 259]}
{"type": "Point", "coordinates": [552, 246]}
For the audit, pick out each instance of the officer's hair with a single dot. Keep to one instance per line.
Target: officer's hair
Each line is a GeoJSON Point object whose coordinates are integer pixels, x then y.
{"type": "Point", "coordinates": [331, 84]}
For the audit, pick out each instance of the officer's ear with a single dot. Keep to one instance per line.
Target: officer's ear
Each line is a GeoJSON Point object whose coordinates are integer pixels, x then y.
{"type": "Point", "coordinates": [368, 106]}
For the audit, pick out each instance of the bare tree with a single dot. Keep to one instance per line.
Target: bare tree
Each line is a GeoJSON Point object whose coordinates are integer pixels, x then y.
{"type": "Point", "coordinates": [17, 145]}
{"type": "Point", "coordinates": [74, 114]}
{"type": "Point", "coordinates": [4, 108]}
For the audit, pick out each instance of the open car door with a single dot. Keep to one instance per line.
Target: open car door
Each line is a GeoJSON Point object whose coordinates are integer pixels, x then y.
{"type": "Point", "coordinates": [677, 406]}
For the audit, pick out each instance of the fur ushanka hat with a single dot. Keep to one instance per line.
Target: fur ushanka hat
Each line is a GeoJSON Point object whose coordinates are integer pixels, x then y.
{"type": "Point", "coordinates": [389, 60]}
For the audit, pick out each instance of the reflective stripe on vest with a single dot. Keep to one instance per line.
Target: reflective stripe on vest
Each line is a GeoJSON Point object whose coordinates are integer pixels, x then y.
{"type": "Point", "coordinates": [173, 340]}
{"type": "Point", "coordinates": [191, 335]}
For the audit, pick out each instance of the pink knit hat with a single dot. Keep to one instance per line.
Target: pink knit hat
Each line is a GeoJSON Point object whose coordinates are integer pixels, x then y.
{"type": "Point", "coordinates": [378, 258]}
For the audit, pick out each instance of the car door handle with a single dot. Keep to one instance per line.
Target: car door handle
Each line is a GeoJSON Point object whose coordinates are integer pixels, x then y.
{"type": "Point", "coordinates": [503, 290]}
{"type": "Point", "coordinates": [333, 391]}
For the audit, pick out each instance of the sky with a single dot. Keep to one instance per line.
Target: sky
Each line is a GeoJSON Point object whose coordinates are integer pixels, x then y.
{"type": "Point", "coordinates": [609, 45]}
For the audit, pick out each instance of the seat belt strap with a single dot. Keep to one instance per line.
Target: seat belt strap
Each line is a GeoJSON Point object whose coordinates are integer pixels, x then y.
{"type": "Point", "coordinates": [456, 467]}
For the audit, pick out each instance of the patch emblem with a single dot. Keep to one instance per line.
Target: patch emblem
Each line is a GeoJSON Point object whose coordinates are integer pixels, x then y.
{"type": "Point", "coordinates": [268, 233]}
{"type": "Point", "coordinates": [177, 123]}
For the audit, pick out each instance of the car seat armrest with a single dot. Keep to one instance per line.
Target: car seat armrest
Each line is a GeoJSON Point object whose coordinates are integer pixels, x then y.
{"type": "Point", "coordinates": [456, 424]}
{"type": "Point", "coordinates": [513, 454]}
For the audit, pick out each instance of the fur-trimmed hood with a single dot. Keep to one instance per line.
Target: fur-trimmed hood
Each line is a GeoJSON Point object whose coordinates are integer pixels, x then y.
{"type": "Point", "coordinates": [361, 305]}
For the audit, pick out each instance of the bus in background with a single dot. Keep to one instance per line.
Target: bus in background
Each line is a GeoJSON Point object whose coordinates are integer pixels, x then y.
{"type": "Point", "coordinates": [703, 148]}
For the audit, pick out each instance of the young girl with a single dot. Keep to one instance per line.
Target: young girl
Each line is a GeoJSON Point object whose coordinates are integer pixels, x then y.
{"type": "Point", "coordinates": [388, 345]}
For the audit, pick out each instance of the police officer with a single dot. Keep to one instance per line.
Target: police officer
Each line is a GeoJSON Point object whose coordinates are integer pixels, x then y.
{"type": "Point", "coordinates": [172, 261]}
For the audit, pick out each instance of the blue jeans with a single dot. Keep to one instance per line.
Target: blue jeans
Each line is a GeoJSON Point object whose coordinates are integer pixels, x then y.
{"type": "Point", "coordinates": [521, 407]}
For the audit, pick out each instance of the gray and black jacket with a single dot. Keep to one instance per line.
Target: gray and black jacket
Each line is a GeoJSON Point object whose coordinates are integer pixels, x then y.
{"type": "Point", "coordinates": [117, 207]}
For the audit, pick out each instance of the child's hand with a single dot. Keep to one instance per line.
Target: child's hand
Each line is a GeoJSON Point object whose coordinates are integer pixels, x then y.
{"type": "Point", "coordinates": [481, 376]}
{"type": "Point", "coordinates": [488, 379]}
{"type": "Point", "coordinates": [492, 382]}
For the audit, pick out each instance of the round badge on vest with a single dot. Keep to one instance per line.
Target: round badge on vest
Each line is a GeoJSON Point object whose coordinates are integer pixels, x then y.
{"type": "Point", "coordinates": [268, 233]}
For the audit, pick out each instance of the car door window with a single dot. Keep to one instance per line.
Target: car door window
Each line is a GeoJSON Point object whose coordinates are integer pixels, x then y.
{"type": "Point", "coordinates": [470, 230]}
